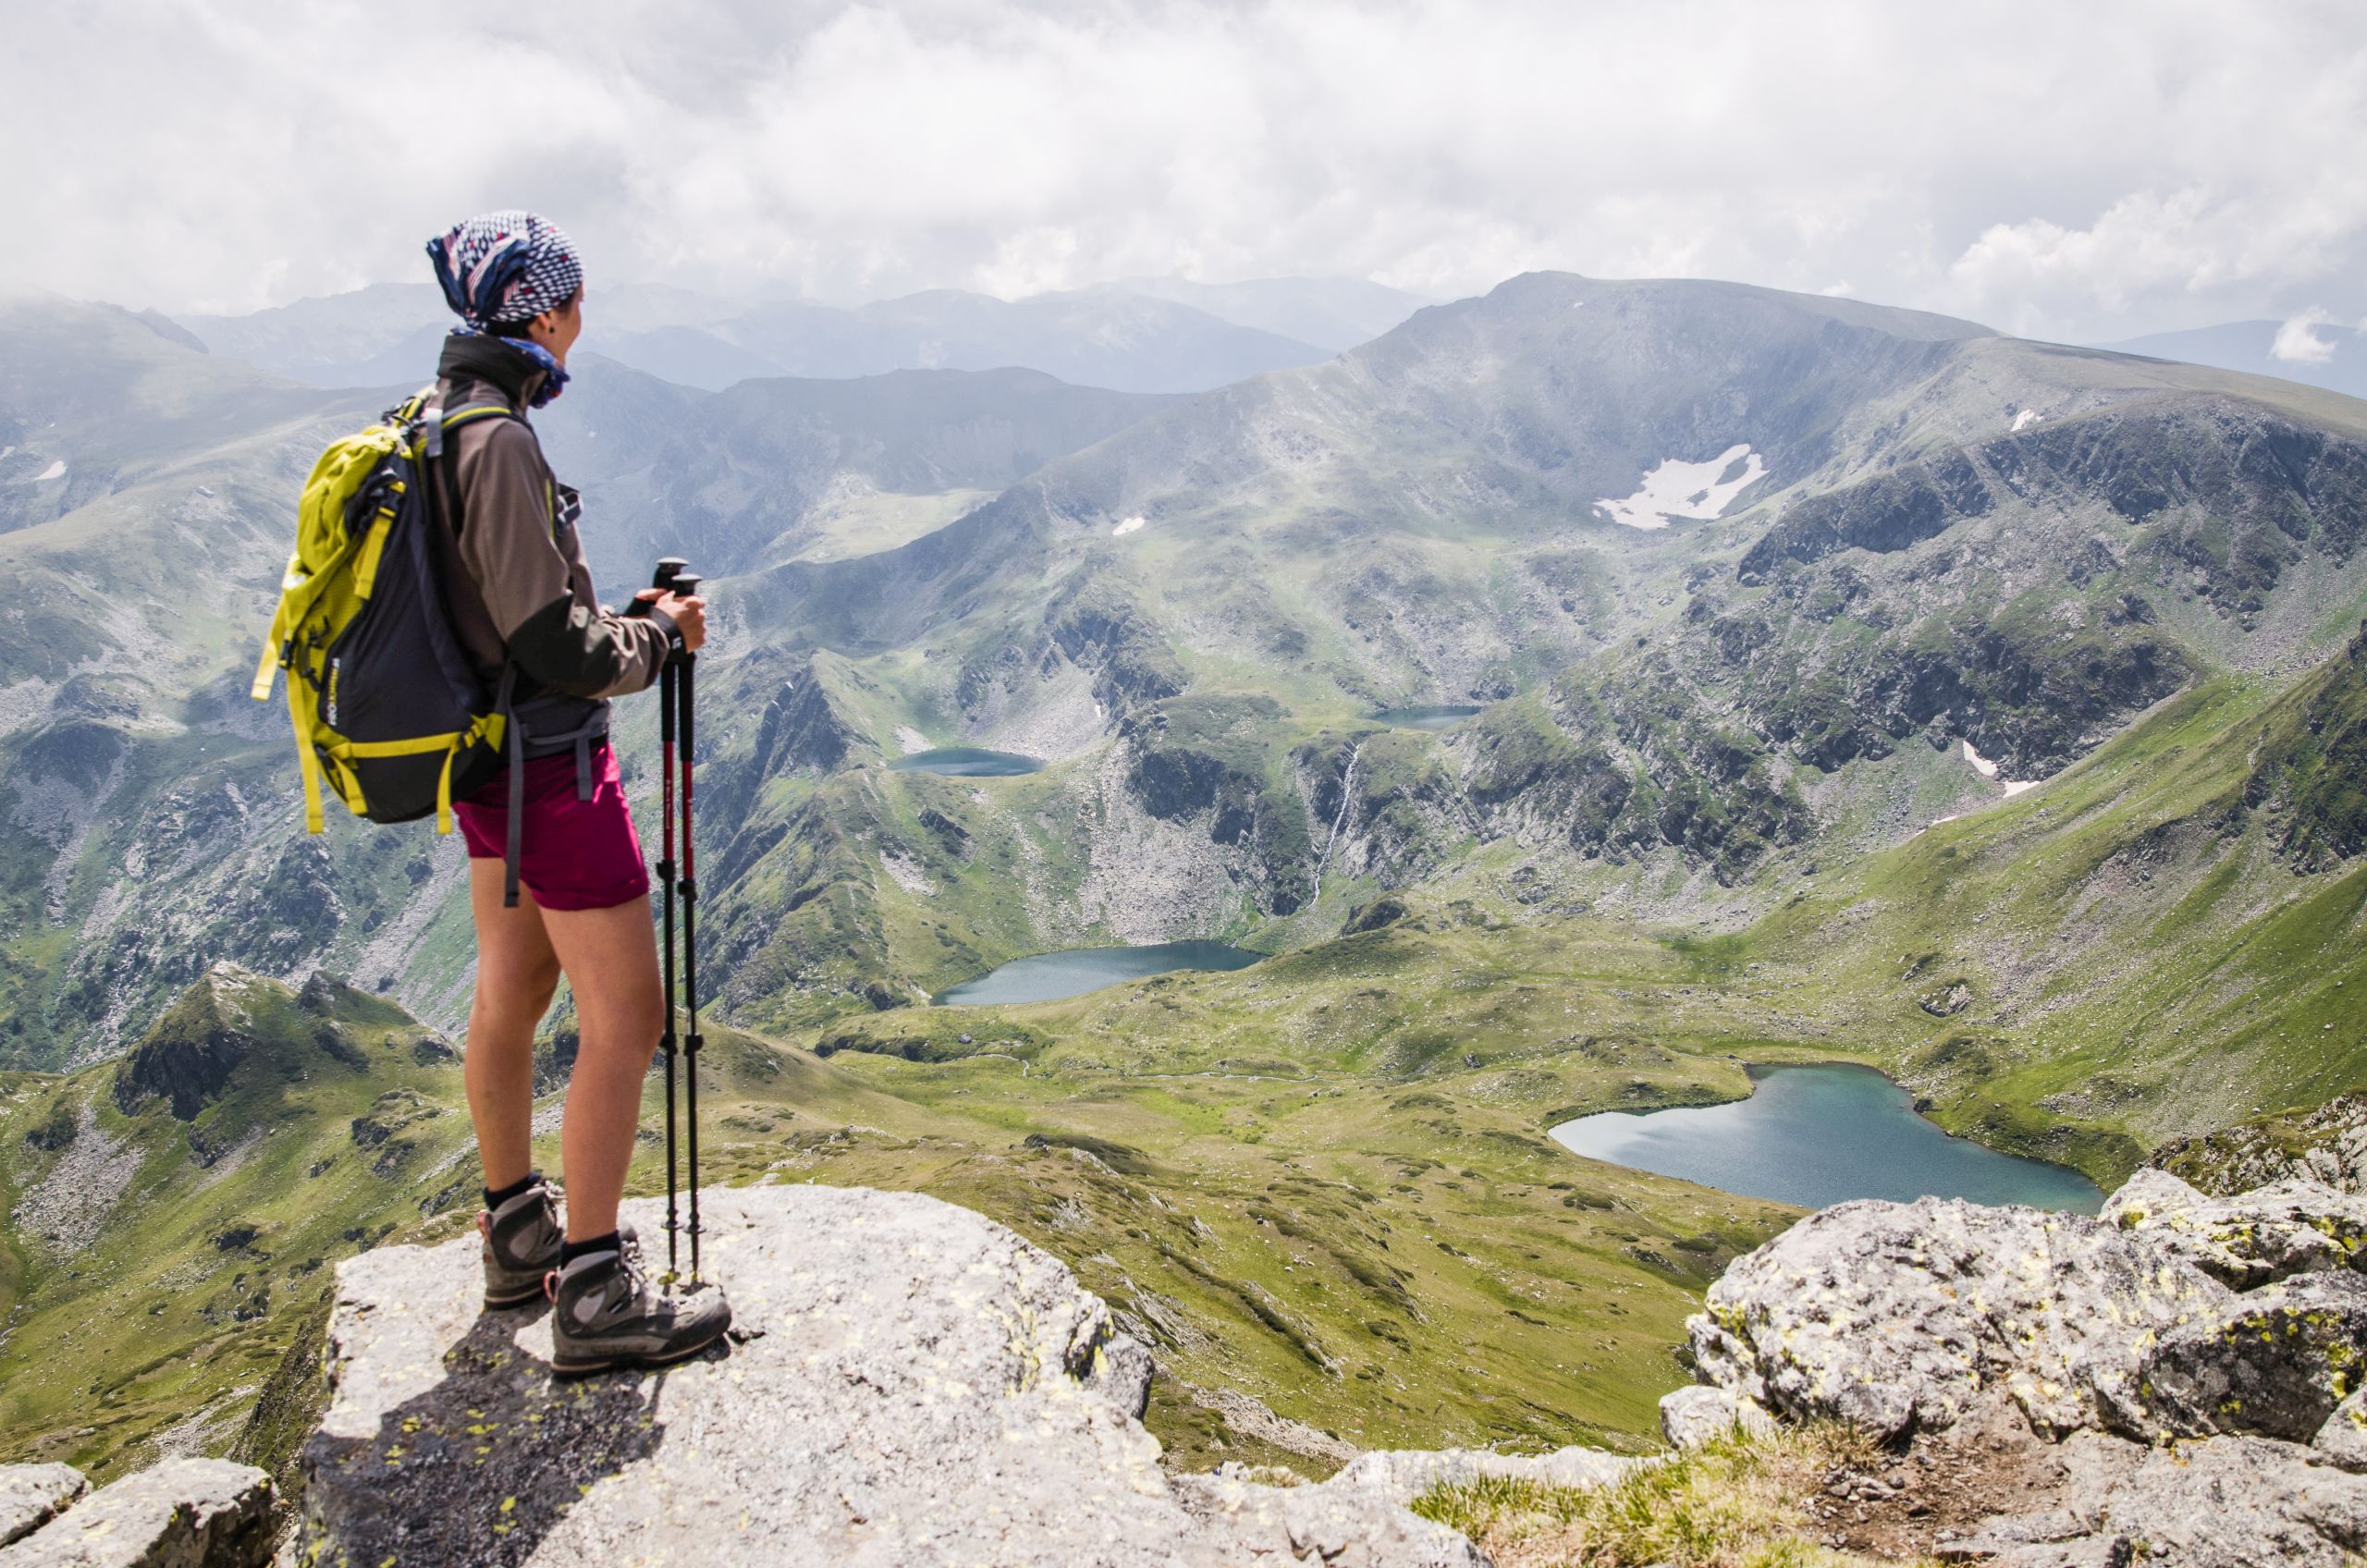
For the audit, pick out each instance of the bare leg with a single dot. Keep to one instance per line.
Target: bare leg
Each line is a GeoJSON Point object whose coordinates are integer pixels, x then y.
{"type": "Point", "coordinates": [517, 972]}
{"type": "Point", "coordinates": [610, 956]}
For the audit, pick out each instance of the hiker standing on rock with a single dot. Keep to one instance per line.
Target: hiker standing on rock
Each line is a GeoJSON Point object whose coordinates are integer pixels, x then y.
{"type": "Point", "coordinates": [521, 599]}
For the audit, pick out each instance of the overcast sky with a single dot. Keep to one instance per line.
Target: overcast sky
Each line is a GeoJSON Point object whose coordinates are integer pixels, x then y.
{"type": "Point", "coordinates": [2074, 170]}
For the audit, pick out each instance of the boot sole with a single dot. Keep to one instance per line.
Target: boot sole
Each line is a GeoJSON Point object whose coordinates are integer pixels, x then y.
{"type": "Point", "coordinates": [524, 1295]}
{"type": "Point", "coordinates": [569, 1371]}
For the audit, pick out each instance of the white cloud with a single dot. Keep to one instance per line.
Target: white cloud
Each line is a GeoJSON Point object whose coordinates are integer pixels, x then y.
{"type": "Point", "coordinates": [2070, 170]}
{"type": "Point", "coordinates": [2298, 341]}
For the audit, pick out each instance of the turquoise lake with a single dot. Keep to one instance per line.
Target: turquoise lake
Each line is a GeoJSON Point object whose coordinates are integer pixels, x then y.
{"type": "Point", "coordinates": [1046, 977]}
{"type": "Point", "coordinates": [967, 762]}
{"type": "Point", "coordinates": [1820, 1135]}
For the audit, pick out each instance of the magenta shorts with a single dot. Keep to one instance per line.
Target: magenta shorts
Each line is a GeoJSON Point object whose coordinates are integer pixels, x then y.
{"type": "Point", "coordinates": [574, 854]}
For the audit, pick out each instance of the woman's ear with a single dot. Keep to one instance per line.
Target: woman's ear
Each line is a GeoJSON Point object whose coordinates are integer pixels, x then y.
{"type": "Point", "coordinates": [555, 322]}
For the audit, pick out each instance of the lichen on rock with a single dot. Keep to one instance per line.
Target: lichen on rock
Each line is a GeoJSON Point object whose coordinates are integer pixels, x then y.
{"type": "Point", "coordinates": [2291, 1226]}
{"type": "Point", "coordinates": [2184, 1373]}
{"type": "Point", "coordinates": [1894, 1317]}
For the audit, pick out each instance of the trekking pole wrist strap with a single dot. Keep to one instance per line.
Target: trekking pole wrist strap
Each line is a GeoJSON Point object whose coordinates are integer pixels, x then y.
{"type": "Point", "coordinates": [672, 633]}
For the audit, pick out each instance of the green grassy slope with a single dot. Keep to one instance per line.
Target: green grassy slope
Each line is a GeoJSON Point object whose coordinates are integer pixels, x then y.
{"type": "Point", "coordinates": [163, 1260]}
{"type": "Point", "coordinates": [2152, 944]}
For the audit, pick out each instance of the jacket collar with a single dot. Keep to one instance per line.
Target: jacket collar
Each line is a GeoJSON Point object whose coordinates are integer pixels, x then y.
{"type": "Point", "coordinates": [483, 356]}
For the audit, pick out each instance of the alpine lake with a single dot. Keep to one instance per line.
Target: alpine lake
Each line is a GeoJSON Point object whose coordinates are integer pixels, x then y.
{"type": "Point", "coordinates": [1819, 1134]}
{"type": "Point", "coordinates": [1045, 977]}
{"type": "Point", "coordinates": [967, 762]}
{"type": "Point", "coordinates": [1445, 717]}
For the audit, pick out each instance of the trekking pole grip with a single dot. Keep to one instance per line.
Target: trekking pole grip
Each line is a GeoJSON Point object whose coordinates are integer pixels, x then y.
{"type": "Point", "coordinates": [669, 572]}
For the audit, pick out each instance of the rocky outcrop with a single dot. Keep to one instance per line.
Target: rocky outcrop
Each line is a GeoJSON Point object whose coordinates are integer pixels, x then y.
{"type": "Point", "coordinates": [182, 1513]}
{"type": "Point", "coordinates": [2327, 1145]}
{"type": "Point", "coordinates": [2307, 771]}
{"type": "Point", "coordinates": [2291, 1226]}
{"type": "Point", "coordinates": [1690, 1418]}
{"type": "Point", "coordinates": [2271, 485]}
{"type": "Point", "coordinates": [1203, 764]}
{"type": "Point", "coordinates": [31, 1495]}
{"type": "Point", "coordinates": [807, 725]}
{"type": "Point", "coordinates": [1895, 1317]}
{"type": "Point", "coordinates": [911, 1383]}
{"type": "Point", "coordinates": [2232, 1502]}
{"type": "Point", "coordinates": [2181, 1376]}
{"type": "Point", "coordinates": [188, 1057]}
{"type": "Point", "coordinates": [1890, 511]}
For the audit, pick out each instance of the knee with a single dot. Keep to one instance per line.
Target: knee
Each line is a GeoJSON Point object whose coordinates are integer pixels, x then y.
{"type": "Point", "coordinates": [517, 991]}
{"type": "Point", "coordinates": [629, 1026]}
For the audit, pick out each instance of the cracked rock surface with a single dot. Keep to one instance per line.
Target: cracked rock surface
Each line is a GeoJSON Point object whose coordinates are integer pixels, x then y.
{"type": "Point", "coordinates": [921, 1386]}
{"type": "Point", "coordinates": [182, 1513]}
{"type": "Point", "coordinates": [31, 1495]}
{"type": "Point", "coordinates": [2184, 1373]}
{"type": "Point", "coordinates": [1894, 1317]}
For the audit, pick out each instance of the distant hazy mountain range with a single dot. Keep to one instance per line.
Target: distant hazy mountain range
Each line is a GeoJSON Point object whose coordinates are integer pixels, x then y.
{"type": "Point", "coordinates": [2249, 346]}
{"type": "Point", "coordinates": [1144, 334]}
{"type": "Point", "coordinates": [1733, 566]}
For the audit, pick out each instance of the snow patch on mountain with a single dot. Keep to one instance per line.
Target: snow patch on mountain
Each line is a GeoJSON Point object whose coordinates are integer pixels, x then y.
{"type": "Point", "coordinates": [1988, 769]}
{"type": "Point", "coordinates": [1698, 491]}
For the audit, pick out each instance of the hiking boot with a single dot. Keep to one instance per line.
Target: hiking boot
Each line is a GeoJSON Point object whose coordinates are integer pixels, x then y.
{"type": "Point", "coordinates": [521, 1241]}
{"type": "Point", "coordinates": [608, 1314]}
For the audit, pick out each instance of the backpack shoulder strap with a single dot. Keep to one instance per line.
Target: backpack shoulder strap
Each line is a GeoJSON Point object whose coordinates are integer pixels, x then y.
{"type": "Point", "coordinates": [471, 411]}
{"type": "Point", "coordinates": [436, 420]}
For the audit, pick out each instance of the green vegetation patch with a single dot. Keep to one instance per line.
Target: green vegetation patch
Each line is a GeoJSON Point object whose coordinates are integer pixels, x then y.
{"type": "Point", "coordinates": [1734, 1503]}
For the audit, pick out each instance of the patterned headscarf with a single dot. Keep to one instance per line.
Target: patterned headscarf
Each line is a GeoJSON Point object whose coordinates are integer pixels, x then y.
{"type": "Point", "coordinates": [507, 266]}
{"type": "Point", "coordinates": [504, 267]}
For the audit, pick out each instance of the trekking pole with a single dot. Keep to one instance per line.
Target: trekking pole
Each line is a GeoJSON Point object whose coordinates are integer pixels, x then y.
{"type": "Point", "coordinates": [669, 570]}
{"type": "Point", "coordinates": [687, 583]}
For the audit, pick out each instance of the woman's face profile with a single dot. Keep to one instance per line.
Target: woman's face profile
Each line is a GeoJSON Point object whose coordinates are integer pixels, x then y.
{"type": "Point", "coordinates": [557, 328]}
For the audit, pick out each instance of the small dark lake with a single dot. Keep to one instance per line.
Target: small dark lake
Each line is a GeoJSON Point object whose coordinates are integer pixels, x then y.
{"type": "Point", "coordinates": [1049, 976]}
{"type": "Point", "coordinates": [1820, 1135]}
{"type": "Point", "coordinates": [967, 762]}
{"type": "Point", "coordinates": [1423, 717]}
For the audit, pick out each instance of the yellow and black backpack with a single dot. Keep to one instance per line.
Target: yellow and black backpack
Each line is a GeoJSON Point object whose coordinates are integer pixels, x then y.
{"type": "Point", "coordinates": [388, 706]}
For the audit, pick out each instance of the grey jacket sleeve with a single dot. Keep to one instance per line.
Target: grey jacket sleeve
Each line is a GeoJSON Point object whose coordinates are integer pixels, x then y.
{"type": "Point", "coordinates": [531, 572]}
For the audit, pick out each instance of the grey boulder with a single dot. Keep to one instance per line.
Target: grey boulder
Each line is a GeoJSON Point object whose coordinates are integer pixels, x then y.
{"type": "Point", "coordinates": [2229, 1502]}
{"type": "Point", "coordinates": [918, 1386]}
{"type": "Point", "coordinates": [2343, 1438]}
{"type": "Point", "coordinates": [182, 1513]}
{"type": "Point", "coordinates": [2150, 1197]}
{"type": "Point", "coordinates": [1895, 1317]}
{"type": "Point", "coordinates": [2273, 1363]}
{"type": "Point", "coordinates": [2228, 1335]}
{"type": "Point", "coordinates": [2294, 1226]}
{"type": "Point", "coordinates": [1336, 1525]}
{"type": "Point", "coordinates": [31, 1495]}
{"type": "Point", "coordinates": [1692, 1416]}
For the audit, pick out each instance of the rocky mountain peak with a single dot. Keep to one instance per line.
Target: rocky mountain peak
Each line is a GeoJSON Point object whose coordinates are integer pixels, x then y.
{"type": "Point", "coordinates": [189, 1056]}
{"type": "Point", "coordinates": [192, 1054]}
